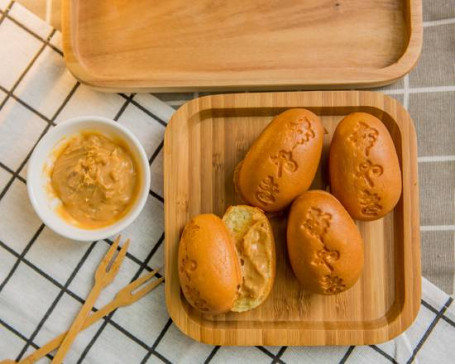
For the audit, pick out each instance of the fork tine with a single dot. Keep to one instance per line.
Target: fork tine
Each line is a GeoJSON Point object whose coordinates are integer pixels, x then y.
{"type": "Point", "coordinates": [119, 258]}
{"type": "Point", "coordinates": [143, 291]}
{"type": "Point", "coordinates": [110, 253]}
{"type": "Point", "coordinates": [126, 291]}
{"type": "Point", "coordinates": [140, 281]}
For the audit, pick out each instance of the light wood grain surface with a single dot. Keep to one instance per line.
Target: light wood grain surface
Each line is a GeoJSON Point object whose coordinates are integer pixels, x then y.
{"type": "Point", "coordinates": [322, 50]}
{"type": "Point", "coordinates": [160, 45]}
{"type": "Point", "coordinates": [204, 141]}
{"type": "Point", "coordinates": [48, 10]}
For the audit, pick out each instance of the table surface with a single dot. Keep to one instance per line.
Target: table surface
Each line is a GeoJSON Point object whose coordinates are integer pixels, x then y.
{"type": "Point", "coordinates": [34, 293]}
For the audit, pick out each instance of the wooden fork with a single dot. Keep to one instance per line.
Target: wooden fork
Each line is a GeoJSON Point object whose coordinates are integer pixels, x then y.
{"type": "Point", "coordinates": [126, 296]}
{"type": "Point", "coordinates": [104, 275]}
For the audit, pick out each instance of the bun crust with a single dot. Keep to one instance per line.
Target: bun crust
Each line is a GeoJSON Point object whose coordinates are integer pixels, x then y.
{"type": "Point", "coordinates": [208, 266]}
{"type": "Point", "coordinates": [282, 162]}
{"type": "Point", "coordinates": [324, 245]}
{"type": "Point", "coordinates": [364, 169]}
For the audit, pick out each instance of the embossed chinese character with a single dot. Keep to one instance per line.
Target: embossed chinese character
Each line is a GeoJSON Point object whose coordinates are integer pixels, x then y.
{"type": "Point", "coordinates": [188, 266]}
{"type": "Point", "coordinates": [326, 257]}
{"type": "Point", "coordinates": [303, 130]}
{"type": "Point", "coordinates": [332, 284]}
{"type": "Point", "coordinates": [363, 137]}
{"type": "Point", "coordinates": [283, 160]}
{"type": "Point", "coordinates": [317, 222]}
{"type": "Point", "coordinates": [267, 190]}
{"type": "Point", "coordinates": [367, 171]}
{"type": "Point", "coordinates": [370, 203]}
{"type": "Point", "coordinates": [191, 230]}
{"type": "Point", "coordinates": [195, 296]}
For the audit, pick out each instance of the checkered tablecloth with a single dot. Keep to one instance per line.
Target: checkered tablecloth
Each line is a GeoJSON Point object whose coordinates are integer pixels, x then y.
{"type": "Point", "coordinates": [45, 278]}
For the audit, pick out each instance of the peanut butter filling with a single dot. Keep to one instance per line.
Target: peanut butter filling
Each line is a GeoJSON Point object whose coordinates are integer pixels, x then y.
{"type": "Point", "coordinates": [255, 261]}
{"type": "Point", "coordinates": [96, 180]}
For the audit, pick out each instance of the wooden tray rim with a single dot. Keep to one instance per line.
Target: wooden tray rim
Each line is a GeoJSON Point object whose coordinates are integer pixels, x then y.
{"type": "Point", "coordinates": [316, 78]}
{"type": "Point", "coordinates": [411, 244]}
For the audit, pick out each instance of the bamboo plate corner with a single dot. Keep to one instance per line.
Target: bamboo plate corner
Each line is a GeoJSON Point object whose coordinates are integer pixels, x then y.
{"type": "Point", "coordinates": [204, 141]}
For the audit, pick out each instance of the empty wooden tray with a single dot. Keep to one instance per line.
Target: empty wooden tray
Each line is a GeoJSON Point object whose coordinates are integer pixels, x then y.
{"type": "Point", "coordinates": [204, 141]}
{"type": "Point", "coordinates": [177, 45]}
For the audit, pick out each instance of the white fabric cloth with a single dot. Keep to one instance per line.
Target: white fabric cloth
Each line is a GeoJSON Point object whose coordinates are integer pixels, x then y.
{"type": "Point", "coordinates": [45, 278]}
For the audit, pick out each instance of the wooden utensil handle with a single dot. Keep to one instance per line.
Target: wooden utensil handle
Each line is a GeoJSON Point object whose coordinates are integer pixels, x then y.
{"type": "Point", "coordinates": [78, 323]}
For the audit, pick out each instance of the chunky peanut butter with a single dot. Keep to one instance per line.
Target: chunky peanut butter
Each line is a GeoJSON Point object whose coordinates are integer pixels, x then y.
{"type": "Point", "coordinates": [96, 180]}
{"type": "Point", "coordinates": [255, 261]}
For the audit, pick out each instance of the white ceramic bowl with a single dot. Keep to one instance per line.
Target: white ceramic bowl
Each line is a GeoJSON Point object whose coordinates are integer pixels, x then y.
{"type": "Point", "coordinates": [38, 180]}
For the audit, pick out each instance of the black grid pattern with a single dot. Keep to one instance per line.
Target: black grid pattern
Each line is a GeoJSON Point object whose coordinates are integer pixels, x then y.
{"type": "Point", "coordinates": [15, 175]}
{"type": "Point", "coordinates": [151, 348]}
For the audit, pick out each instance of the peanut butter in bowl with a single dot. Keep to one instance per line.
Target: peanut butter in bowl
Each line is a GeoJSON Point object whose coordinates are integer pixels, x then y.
{"type": "Point", "coordinates": [96, 179]}
{"type": "Point", "coordinates": [88, 178]}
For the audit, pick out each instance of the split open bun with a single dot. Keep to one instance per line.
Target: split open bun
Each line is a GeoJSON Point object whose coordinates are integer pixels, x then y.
{"type": "Point", "coordinates": [227, 264]}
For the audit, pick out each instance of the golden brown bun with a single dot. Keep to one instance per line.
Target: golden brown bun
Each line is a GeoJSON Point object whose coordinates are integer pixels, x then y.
{"type": "Point", "coordinates": [255, 247]}
{"type": "Point", "coordinates": [365, 173]}
{"type": "Point", "coordinates": [282, 161]}
{"type": "Point", "coordinates": [324, 245]}
{"type": "Point", "coordinates": [209, 269]}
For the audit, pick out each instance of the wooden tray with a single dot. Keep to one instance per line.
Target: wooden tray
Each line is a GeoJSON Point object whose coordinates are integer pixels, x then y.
{"type": "Point", "coordinates": [204, 141]}
{"type": "Point", "coordinates": [177, 45]}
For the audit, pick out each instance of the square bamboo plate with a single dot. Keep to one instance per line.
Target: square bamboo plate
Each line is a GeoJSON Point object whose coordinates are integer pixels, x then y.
{"type": "Point", "coordinates": [204, 141]}
{"type": "Point", "coordinates": [176, 45]}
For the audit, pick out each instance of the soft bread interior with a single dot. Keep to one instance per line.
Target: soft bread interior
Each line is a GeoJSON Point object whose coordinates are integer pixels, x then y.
{"type": "Point", "coordinates": [255, 247]}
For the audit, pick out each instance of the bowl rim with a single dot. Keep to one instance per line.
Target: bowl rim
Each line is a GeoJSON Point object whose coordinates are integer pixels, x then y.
{"type": "Point", "coordinates": [88, 234]}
